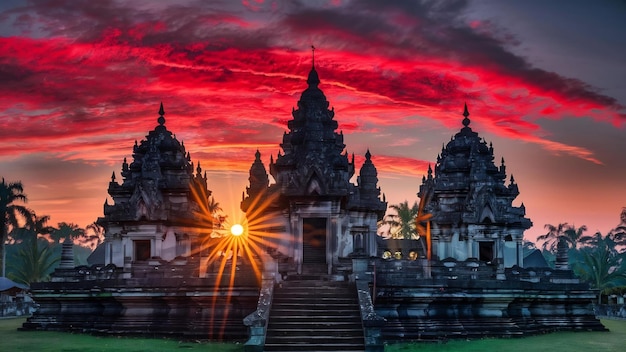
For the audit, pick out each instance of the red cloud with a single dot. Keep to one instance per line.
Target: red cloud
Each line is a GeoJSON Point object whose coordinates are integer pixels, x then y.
{"type": "Point", "coordinates": [230, 78]}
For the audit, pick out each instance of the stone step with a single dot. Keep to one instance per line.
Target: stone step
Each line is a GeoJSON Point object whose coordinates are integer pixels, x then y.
{"type": "Point", "coordinates": [333, 330]}
{"type": "Point", "coordinates": [286, 311]}
{"type": "Point", "coordinates": [314, 325]}
{"type": "Point", "coordinates": [327, 347]}
{"type": "Point", "coordinates": [318, 319]}
{"type": "Point", "coordinates": [313, 299]}
{"type": "Point", "coordinates": [315, 315]}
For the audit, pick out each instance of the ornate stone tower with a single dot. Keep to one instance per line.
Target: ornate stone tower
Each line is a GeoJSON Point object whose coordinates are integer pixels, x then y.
{"type": "Point", "coordinates": [323, 216]}
{"type": "Point", "coordinates": [473, 215]}
{"type": "Point", "coordinates": [154, 212]}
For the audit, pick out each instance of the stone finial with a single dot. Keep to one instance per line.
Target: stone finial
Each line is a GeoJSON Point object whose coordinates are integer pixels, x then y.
{"type": "Point", "coordinates": [466, 120]}
{"type": "Point", "coordinates": [161, 119]}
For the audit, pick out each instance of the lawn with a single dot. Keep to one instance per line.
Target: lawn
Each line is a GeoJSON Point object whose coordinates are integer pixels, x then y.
{"type": "Point", "coordinates": [614, 340]}
{"type": "Point", "coordinates": [46, 341]}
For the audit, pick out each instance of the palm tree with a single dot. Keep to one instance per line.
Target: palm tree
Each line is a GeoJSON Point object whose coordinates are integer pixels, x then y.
{"type": "Point", "coordinates": [570, 234]}
{"type": "Point", "coordinates": [35, 258]}
{"type": "Point", "coordinates": [11, 213]}
{"type": "Point", "coordinates": [34, 261]}
{"type": "Point", "coordinates": [95, 236]}
{"type": "Point", "coordinates": [405, 219]}
{"type": "Point", "coordinates": [65, 231]}
{"type": "Point", "coordinates": [600, 264]}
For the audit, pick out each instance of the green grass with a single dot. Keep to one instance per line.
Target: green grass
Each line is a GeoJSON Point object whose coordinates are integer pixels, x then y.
{"type": "Point", "coordinates": [614, 340]}
{"type": "Point", "coordinates": [47, 341]}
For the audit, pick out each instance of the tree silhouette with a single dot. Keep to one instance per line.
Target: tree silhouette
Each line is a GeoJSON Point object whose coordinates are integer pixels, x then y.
{"type": "Point", "coordinates": [66, 230]}
{"type": "Point", "coordinates": [93, 236]}
{"type": "Point", "coordinates": [35, 257]}
{"type": "Point", "coordinates": [11, 213]}
{"type": "Point", "coordinates": [404, 219]}
{"type": "Point", "coordinates": [600, 264]}
{"type": "Point", "coordinates": [570, 234]}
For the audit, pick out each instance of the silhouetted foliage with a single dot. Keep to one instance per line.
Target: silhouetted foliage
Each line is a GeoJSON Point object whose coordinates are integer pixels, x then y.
{"type": "Point", "coordinates": [11, 213]}
{"type": "Point", "coordinates": [599, 263]}
{"type": "Point", "coordinates": [34, 261]}
{"type": "Point", "coordinates": [573, 236]}
{"type": "Point", "coordinates": [66, 230]}
{"type": "Point", "coordinates": [403, 222]}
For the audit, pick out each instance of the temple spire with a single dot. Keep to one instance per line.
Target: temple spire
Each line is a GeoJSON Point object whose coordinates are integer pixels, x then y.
{"type": "Point", "coordinates": [161, 119]}
{"type": "Point", "coordinates": [313, 80]}
{"type": "Point", "coordinates": [466, 120]}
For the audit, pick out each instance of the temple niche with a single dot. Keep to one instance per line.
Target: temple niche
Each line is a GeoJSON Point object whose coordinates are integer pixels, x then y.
{"type": "Point", "coordinates": [473, 215]}
{"type": "Point", "coordinates": [156, 209]}
{"type": "Point", "coordinates": [318, 215]}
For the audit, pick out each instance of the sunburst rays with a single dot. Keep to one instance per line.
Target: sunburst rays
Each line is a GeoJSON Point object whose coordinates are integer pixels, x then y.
{"type": "Point", "coordinates": [232, 247]}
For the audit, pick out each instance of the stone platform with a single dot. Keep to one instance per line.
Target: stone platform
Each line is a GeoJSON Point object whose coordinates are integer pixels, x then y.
{"type": "Point", "coordinates": [469, 301]}
{"type": "Point", "coordinates": [190, 308]}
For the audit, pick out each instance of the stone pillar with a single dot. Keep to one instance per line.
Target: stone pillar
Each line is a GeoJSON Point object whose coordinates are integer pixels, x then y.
{"type": "Point", "coordinates": [296, 232]}
{"type": "Point", "coordinates": [520, 251]}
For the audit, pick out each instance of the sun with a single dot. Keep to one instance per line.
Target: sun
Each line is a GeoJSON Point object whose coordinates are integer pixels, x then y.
{"type": "Point", "coordinates": [236, 230]}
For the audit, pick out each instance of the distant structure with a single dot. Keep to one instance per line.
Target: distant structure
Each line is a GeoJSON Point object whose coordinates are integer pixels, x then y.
{"type": "Point", "coordinates": [318, 215]}
{"type": "Point", "coordinates": [473, 215]}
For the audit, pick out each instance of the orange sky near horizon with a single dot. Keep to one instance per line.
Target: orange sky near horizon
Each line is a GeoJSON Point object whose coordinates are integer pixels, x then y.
{"type": "Point", "coordinates": [80, 82]}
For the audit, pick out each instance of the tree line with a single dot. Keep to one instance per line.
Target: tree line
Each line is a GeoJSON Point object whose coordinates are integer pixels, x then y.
{"type": "Point", "coordinates": [30, 249]}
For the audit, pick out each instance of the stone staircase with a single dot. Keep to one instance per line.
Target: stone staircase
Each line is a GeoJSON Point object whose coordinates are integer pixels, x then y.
{"type": "Point", "coordinates": [315, 315]}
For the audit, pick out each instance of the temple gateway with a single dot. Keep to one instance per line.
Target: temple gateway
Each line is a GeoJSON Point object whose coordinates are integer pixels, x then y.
{"type": "Point", "coordinates": [319, 278]}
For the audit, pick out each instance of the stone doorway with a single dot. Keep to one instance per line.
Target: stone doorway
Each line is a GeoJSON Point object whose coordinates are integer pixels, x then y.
{"type": "Point", "coordinates": [314, 240]}
{"type": "Point", "coordinates": [142, 250]}
{"type": "Point", "coordinates": [485, 251]}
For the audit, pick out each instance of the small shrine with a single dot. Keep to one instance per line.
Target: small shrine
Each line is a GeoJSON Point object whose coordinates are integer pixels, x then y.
{"type": "Point", "coordinates": [471, 206]}
{"type": "Point", "coordinates": [156, 212]}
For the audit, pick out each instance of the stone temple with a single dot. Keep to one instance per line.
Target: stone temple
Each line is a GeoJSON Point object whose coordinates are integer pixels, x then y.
{"type": "Point", "coordinates": [318, 277]}
{"type": "Point", "coordinates": [473, 212]}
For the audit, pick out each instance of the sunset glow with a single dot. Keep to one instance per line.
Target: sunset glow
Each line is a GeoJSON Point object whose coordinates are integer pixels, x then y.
{"type": "Point", "coordinates": [82, 80]}
{"type": "Point", "coordinates": [236, 230]}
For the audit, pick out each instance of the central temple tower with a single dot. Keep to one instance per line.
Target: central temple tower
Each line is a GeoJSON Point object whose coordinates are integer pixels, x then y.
{"type": "Point", "coordinates": [322, 215]}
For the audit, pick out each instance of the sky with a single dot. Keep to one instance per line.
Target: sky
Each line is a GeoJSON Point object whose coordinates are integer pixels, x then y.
{"type": "Point", "coordinates": [545, 82]}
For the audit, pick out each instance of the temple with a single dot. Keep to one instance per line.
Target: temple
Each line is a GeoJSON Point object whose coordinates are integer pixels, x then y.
{"type": "Point", "coordinates": [156, 213]}
{"type": "Point", "coordinates": [473, 214]}
{"type": "Point", "coordinates": [318, 216]}
{"type": "Point", "coordinates": [318, 277]}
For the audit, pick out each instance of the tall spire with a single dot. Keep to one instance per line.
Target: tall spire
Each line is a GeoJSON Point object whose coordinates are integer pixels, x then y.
{"type": "Point", "coordinates": [313, 80]}
{"type": "Point", "coordinates": [466, 120]}
{"type": "Point", "coordinates": [161, 119]}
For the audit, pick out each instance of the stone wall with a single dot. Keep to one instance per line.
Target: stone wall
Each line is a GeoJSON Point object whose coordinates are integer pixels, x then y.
{"type": "Point", "coordinates": [467, 299]}
{"type": "Point", "coordinates": [190, 308]}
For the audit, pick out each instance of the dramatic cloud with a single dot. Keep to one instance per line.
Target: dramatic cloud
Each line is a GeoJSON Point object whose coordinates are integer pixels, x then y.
{"type": "Point", "coordinates": [81, 80]}
{"type": "Point", "coordinates": [94, 71]}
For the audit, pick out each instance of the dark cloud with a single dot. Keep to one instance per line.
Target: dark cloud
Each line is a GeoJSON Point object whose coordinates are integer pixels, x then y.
{"type": "Point", "coordinates": [86, 69]}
